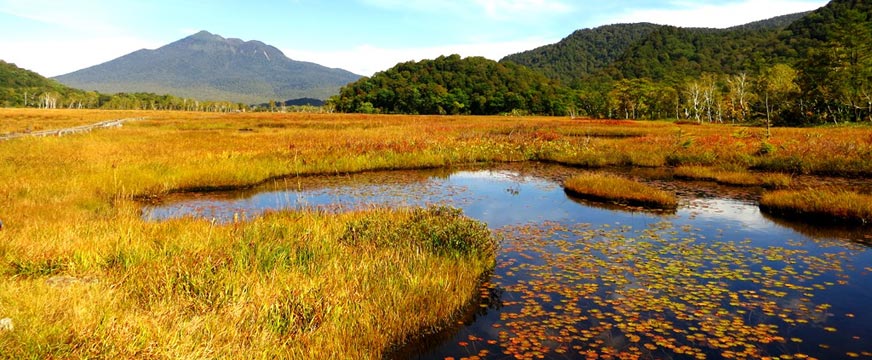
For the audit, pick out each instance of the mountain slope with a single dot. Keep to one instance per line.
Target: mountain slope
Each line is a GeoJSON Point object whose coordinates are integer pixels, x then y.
{"type": "Point", "coordinates": [18, 85]}
{"type": "Point", "coordinates": [584, 52]}
{"type": "Point", "coordinates": [657, 51]}
{"type": "Point", "coordinates": [209, 67]}
{"type": "Point", "coordinates": [672, 53]}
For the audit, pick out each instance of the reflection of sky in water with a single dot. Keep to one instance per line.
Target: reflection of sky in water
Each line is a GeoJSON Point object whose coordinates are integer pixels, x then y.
{"type": "Point", "coordinates": [504, 198]}
{"type": "Point", "coordinates": [498, 198]}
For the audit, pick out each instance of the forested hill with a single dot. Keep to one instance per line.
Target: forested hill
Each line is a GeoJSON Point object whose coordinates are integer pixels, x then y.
{"type": "Point", "coordinates": [806, 68]}
{"type": "Point", "coordinates": [18, 85]}
{"type": "Point", "coordinates": [451, 85]}
{"type": "Point", "coordinates": [656, 51]}
{"type": "Point", "coordinates": [585, 52]}
{"type": "Point", "coordinates": [778, 22]}
{"type": "Point", "coordinates": [206, 66]}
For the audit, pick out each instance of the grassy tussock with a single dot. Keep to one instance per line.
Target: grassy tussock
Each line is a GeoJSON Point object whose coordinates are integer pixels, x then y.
{"type": "Point", "coordinates": [817, 205]}
{"type": "Point", "coordinates": [286, 284]}
{"type": "Point", "coordinates": [609, 187]}
{"type": "Point", "coordinates": [735, 178]}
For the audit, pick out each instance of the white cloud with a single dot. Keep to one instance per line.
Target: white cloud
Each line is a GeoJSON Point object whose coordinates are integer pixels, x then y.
{"type": "Point", "coordinates": [58, 57]}
{"type": "Point", "coordinates": [74, 15]}
{"type": "Point", "coordinates": [367, 59]}
{"type": "Point", "coordinates": [722, 15]}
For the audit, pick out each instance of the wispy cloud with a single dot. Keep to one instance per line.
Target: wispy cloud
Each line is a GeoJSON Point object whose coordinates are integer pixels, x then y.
{"type": "Point", "coordinates": [712, 14]}
{"type": "Point", "coordinates": [87, 16]}
{"type": "Point", "coordinates": [57, 57]}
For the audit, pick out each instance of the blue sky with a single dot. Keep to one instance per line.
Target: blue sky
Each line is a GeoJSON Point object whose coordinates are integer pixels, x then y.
{"type": "Point", "coordinates": [54, 37]}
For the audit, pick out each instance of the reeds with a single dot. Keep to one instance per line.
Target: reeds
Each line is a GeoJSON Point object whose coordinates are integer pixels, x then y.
{"type": "Point", "coordinates": [607, 187]}
{"type": "Point", "coordinates": [820, 205]}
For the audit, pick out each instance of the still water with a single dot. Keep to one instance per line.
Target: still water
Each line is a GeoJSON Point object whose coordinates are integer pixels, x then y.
{"type": "Point", "coordinates": [714, 280]}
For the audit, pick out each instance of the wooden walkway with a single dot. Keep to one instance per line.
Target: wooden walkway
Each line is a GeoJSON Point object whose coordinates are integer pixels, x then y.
{"type": "Point", "coordinates": [72, 130]}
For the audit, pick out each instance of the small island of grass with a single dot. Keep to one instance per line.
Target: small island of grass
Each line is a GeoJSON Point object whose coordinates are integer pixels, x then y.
{"type": "Point", "coordinates": [733, 178]}
{"type": "Point", "coordinates": [606, 187]}
{"type": "Point", "coordinates": [820, 205]}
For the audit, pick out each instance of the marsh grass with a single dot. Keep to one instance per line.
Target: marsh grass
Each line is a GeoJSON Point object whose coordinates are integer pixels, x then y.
{"type": "Point", "coordinates": [820, 205]}
{"type": "Point", "coordinates": [735, 178]}
{"type": "Point", "coordinates": [287, 284]}
{"type": "Point", "coordinates": [607, 187]}
{"type": "Point", "coordinates": [297, 284]}
{"type": "Point", "coordinates": [24, 120]}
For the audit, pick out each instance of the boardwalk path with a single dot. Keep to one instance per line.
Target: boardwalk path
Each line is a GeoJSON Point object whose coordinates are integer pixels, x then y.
{"type": "Point", "coordinates": [70, 130]}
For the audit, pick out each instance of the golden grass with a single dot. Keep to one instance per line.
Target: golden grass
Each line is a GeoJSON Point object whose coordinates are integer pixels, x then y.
{"type": "Point", "coordinates": [607, 187]}
{"type": "Point", "coordinates": [735, 178]}
{"type": "Point", "coordinates": [289, 284]}
{"type": "Point", "coordinates": [820, 205]}
{"type": "Point", "coordinates": [22, 120]}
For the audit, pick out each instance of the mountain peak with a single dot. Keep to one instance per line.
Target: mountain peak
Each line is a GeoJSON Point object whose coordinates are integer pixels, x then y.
{"type": "Point", "coordinates": [203, 33]}
{"type": "Point", "coordinates": [208, 66]}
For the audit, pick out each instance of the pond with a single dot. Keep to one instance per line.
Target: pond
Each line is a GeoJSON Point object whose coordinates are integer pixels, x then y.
{"type": "Point", "coordinates": [715, 279]}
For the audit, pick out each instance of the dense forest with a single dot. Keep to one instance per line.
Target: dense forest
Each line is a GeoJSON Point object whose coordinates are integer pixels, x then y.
{"type": "Point", "coordinates": [799, 69]}
{"type": "Point", "coordinates": [583, 53]}
{"type": "Point", "coordinates": [452, 85]}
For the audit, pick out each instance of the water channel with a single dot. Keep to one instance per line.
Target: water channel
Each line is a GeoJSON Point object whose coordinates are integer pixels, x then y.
{"type": "Point", "coordinates": [715, 279]}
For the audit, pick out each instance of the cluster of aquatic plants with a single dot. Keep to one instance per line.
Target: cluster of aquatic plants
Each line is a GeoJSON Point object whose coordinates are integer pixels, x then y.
{"type": "Point", "coordinates": [820, 205]}
{"type": "Point", "coordinates": [663, 292]}
{"type": "Point", "coordinates": [608, 187]}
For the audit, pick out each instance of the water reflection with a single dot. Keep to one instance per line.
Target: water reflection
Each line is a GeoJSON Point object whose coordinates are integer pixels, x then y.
{"type": "Point", "coordinates": [716, 279]}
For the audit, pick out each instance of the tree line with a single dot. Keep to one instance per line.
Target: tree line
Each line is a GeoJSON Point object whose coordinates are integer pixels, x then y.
{"type": "Point", "coordinates": [453, 85]}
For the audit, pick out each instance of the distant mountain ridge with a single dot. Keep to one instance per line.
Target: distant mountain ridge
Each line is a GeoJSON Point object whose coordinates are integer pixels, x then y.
{"type": "Point", "coordinates": [207, 66]}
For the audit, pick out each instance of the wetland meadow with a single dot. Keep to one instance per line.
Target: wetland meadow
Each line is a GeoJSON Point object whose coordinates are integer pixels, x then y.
{"type": "Point", "coordinates": [193, 235]}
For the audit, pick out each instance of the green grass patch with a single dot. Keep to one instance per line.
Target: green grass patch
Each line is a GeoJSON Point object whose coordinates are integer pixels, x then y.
{"type": "Point", "coordinates": [606, 187]}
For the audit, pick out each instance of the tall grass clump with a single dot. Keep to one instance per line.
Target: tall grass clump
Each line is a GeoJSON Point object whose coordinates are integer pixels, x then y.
{"type": "Point", "coordinates": [820, 205]}
{"type": "Point", "coordinates": [607, 187]}
{"type": "Point", "coordinates": [439, 230]}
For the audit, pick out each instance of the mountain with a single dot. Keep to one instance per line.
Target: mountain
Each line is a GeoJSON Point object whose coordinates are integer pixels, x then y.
{"type": "Point", "coordinates": [206, 66]}
{"type": "Point", "coordinates": [657, 51]}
